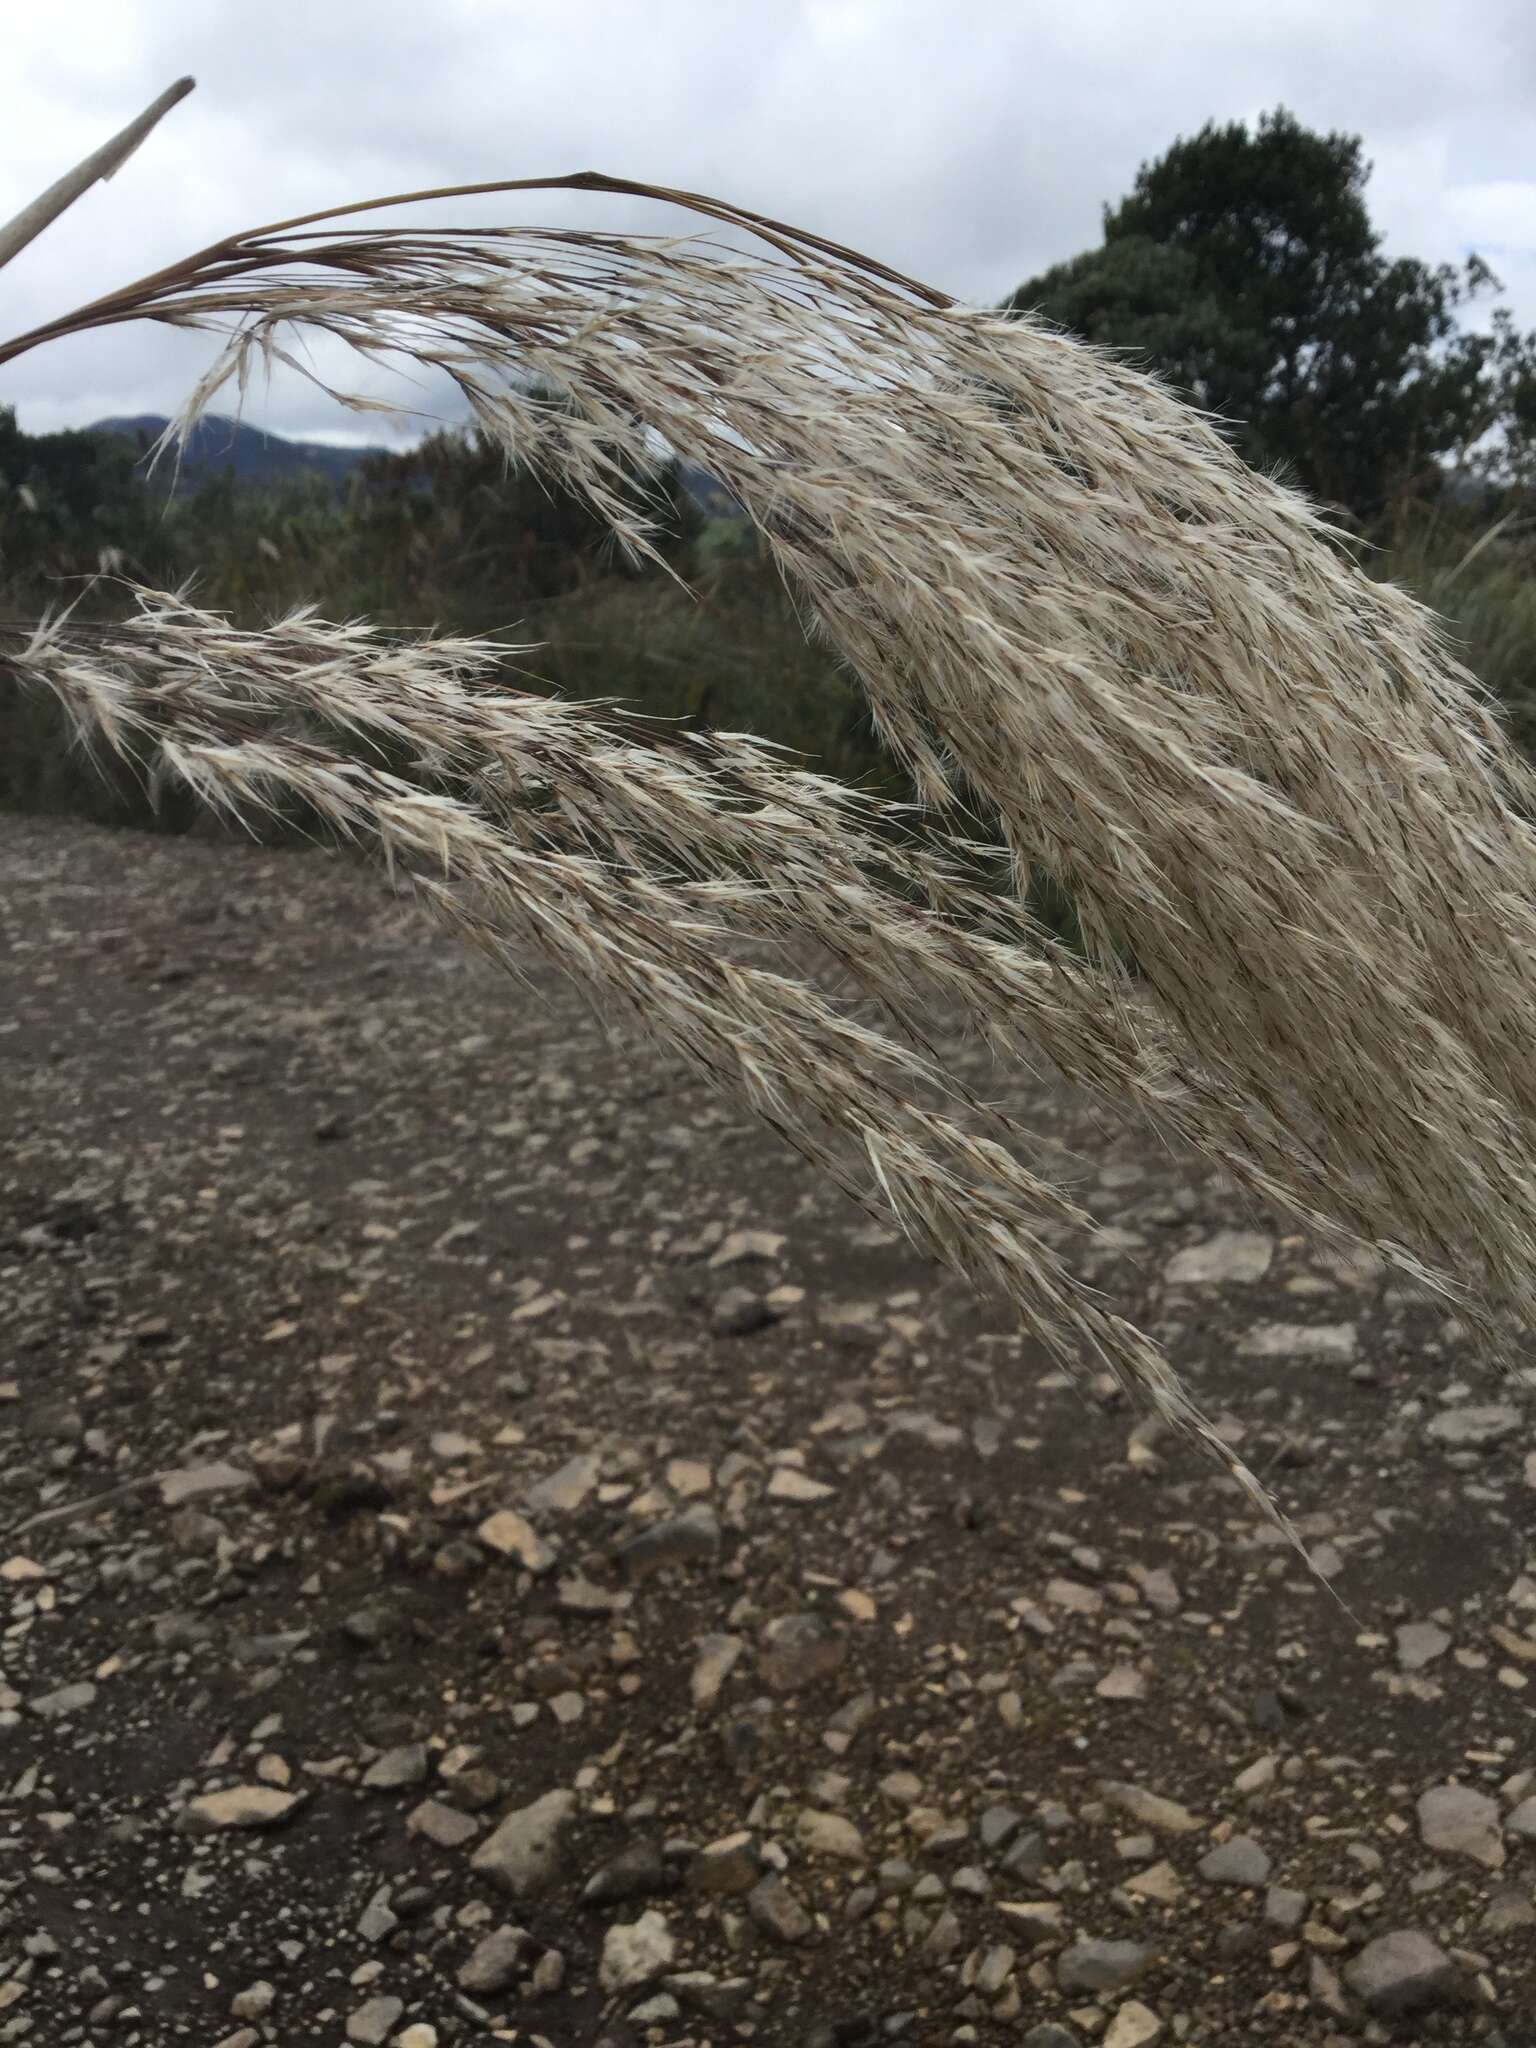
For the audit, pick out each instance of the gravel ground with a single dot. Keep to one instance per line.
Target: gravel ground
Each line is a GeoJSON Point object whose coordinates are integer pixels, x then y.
{"type": "Point", "coordinates": [494, 1549]}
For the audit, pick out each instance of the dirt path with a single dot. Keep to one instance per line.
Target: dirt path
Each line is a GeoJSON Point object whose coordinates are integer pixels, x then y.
{"type": "Point", "coordinates": [542, 1436]}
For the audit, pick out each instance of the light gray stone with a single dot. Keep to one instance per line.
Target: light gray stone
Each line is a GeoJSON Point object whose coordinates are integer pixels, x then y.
{"type": "Point", "coordinates": [1134, 2026]}
{"type": "Point", "coordinates": [1038, 1921]}
{"type": "Point", "coordinates": [510, 1534]}
{"type": "Point", "coordinates": [242, 1806]}
{"type": "Point", "coordinates": [372, 2024]}
{"type": "Point", "coordinates": [999, 1824]}
{"type": "Point", "coordinates": [1167, 1816]}
{"type": "Point", "coordinates": [790, 1483]}
{"type": "Point", "coordinates": [548, 1973]}
{"type": "Point", "coordinates": [1475, 1427]}
{"type": "Point", "coordinates": [397, 1768]}
{"type": "Point", "coordinates": [1284, 1907]}
{"type": "Point", "coordinates": [564, 1491]}
{"type": "Point", "coordinates": [66, 1700]}
{"type": "Point", "coordinates": [1230, 1258]}
{"type": "Point", "coordinates": [254, 2002]}
{"type": "Point", "coordinates": [943, 1937]}
{"type": "Point", "coordinates": [828, 1834]}
{"type": "Point", "coordinates": [1508, 1912]}
{"type": "Point", "coordinates": [636, 1952]}
{"type": "Point", "coordinates": [1313, 1343]}
{"type": "Point", "coordinates": [1420, 1643]}
{"type": "Point", "coordinates": [994, 1969]}
{"type": "Point", "coordinates": [525, 1851]}
{"type": "Point", "coordinates": [1099, 1966]}
{"type": "Point", "coordinates": [1159, 1881]}
{"type": "Point", "coordinates": [742, 1245]}
{"type": "Point", "coordinates": [444, 1825]}
{"type": "Point", "coordinates": [496, 1960]}
{"type": "Point", "coordinates": [1456, 1820]}
{"type": "Point", "coordinates": [1240, 1861]}
{"type": "Point", "coordinates": [378, 1920]}
{"type": "Point", "coordinates": [1402, 1973]}
{"type": "Point", "coordinates": [717, 1659]}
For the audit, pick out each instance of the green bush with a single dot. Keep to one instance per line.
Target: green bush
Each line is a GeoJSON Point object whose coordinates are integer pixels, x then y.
{"type": "Point", "coordinates": [1479, 575]}
{"type": "Point", "coordinates": [449, 537]}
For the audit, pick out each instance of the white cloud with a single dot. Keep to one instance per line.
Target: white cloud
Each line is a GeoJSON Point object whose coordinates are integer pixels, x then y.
{"type": "Point", "coordinates": [971, 143]}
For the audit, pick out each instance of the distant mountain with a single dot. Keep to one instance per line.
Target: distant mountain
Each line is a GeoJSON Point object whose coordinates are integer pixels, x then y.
{"type": "Point", "coordinates": [708, 493]}
{"type": "Point", "coordinates": [218, 443]}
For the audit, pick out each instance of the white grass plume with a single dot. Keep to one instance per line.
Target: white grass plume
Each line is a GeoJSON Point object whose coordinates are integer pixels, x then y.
{"type": "Point", "coordinates": [1259, 772]}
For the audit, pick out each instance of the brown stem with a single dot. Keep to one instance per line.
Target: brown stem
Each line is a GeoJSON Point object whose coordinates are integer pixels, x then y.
{"type": "Point", "coordinates": [241, 253]}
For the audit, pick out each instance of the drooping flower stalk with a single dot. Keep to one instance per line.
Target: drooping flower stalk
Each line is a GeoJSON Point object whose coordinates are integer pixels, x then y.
{"type": "Point", "coordinates": [1261, 774]}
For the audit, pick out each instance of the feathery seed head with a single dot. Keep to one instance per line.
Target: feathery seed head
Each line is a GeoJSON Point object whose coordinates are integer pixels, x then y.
{"type": "Point", "coordinates": [1072, 608]}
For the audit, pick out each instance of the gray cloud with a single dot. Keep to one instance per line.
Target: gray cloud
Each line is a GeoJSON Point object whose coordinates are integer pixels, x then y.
{"type": "Point", "coordinates": [970, 143]}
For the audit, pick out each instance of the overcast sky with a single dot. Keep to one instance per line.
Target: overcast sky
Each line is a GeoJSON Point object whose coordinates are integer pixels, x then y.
{"type": "Point", "coordinates": [968, 143]}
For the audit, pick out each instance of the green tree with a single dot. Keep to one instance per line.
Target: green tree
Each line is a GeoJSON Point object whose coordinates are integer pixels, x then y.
{"type": "Point", "coordinates": [454, 517]}
{"type": "Point", "coordinates": [1512, 458]}
{"type": "Point", "coordinates": [1243, 266]}
{"type": "Point", "coordinates": [69, 504]}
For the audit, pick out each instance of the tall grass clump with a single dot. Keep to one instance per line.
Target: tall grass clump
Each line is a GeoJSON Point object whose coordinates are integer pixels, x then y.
{"type": "Point", "coordinates": [1479, 578]}
{"type": "Point", "coordinates": [1262, 774]}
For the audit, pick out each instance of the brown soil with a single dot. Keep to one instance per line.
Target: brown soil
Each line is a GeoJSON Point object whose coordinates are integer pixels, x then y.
{"type": "Point", "coordinates": [290, 1184]}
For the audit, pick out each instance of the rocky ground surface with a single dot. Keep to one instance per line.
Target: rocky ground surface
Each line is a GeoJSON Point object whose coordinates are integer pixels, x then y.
{"type": "Point", "coordinates": [492, 1548]}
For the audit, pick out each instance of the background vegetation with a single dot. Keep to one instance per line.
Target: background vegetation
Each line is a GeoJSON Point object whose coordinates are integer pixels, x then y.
{"type": "Point", "coordinates": [1243, 267]}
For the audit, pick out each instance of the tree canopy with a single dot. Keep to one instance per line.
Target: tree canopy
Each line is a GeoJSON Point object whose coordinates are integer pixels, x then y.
{"type": "Point", "coordinates": [1243, 266]}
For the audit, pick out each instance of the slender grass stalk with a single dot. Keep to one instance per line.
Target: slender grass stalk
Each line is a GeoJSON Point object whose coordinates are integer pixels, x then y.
{"type": "Point", "coordinates": [105, 162]}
